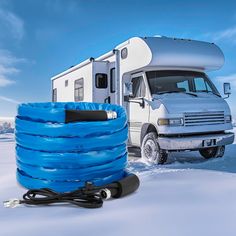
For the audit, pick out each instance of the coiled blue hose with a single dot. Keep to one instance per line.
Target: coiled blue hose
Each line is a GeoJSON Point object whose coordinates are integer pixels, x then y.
{"type": "Point", "coordinates": [63, 157]}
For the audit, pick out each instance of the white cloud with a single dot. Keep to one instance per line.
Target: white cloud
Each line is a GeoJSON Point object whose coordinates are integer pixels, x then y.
{"type": "Point", "coordinates": [8, 64]}
{"type": "Point", "coordinates": [228, 78]}
{"type": "Point", "coordinates": [13, 23]}
{"type": "Point", "coordinates": [8, 70]}
{"type": "Point", "coordinates": [10, 100]}
{"type": "Point", "coordinates": [5, 81]}
{"type": "Point", "coordinates": [228, 35]}
{"type": "Point", "coordinates": [7, 58]}
{"type": "Point", "coordinates": [12, 26]}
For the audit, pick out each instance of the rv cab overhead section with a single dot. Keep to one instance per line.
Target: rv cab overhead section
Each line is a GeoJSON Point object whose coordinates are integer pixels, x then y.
{"type": "Point", "coordinates": [101, 78]}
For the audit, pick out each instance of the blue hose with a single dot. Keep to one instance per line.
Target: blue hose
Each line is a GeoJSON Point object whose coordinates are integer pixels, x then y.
{"type": "Point", "coordinates": [63, 157]}
{"type": "Point", "coordinates": [69, 160]}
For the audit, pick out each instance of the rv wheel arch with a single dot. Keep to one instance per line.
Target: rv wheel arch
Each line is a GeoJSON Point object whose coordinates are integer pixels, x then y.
{"type": "Point", "coordinates": [147, 128]}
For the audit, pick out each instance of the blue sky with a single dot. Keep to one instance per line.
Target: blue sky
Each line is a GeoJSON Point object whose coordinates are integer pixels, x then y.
{"type": "Point", "coordinates": [39, 38]}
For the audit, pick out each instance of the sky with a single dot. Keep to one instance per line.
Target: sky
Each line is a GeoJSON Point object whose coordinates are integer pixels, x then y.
{"type": "Point", "coordinates": [39, 39]}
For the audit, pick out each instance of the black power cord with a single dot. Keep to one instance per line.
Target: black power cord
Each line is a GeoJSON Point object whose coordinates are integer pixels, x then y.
{"type": "Point", "coordinates": [88, 197]}
{"type": "Point", "coordinates": [83, 198]}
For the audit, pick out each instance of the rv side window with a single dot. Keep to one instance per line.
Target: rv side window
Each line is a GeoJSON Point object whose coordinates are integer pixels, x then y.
{"type": "Point", "coordinates": [124, 53]}
{"type": "Point", "coordinates": [200, 84]}
{"type": "Point", "coordinates": [138, 87]}
{"type": "Point", "coordinates": [184, 85]}
{"type": "Point", "coordinates": [54, 95]}
{"type": "Point", "coordinates": [79, 90]}
{"type": "Point", "coordinates": [101, 80]}
{"type": "Point", "coordinates": [66, 83]}
{"type": "Point", "coordinates": [112, 80]}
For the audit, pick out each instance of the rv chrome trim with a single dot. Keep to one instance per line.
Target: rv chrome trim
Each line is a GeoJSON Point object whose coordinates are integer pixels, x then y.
{"type": "Point", "coordinates": [194, 142]}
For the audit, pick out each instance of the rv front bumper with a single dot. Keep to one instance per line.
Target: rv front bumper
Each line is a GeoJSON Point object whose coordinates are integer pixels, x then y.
{"type": "Point", "coordinates": [195, 142]}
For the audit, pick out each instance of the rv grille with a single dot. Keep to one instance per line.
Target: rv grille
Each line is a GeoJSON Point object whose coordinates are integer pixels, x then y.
{"type": "Point", "coordinates": [204, 118]}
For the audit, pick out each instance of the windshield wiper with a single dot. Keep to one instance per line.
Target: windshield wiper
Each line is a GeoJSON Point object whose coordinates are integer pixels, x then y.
{"type": "Point", "coordinates": [206, 91]}
{"type": "Point", "coordinates": [193, 94]}
{"type": "Point", "coordinates": [177, 91]}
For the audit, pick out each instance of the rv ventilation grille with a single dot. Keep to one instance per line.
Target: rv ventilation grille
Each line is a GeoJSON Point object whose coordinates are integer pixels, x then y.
{"type": "Point", "coordinates": [204, 118]}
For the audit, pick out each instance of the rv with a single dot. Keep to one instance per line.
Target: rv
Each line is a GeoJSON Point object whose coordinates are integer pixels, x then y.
{"type": "Point", "coordinates": [171, 103]}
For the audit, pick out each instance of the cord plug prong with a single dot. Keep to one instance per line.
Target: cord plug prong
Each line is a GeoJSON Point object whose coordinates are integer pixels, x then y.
{"type": "Point", "coordinates": [12, 203]}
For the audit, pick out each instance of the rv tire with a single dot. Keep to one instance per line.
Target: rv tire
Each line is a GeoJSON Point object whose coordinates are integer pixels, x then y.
{"type": "Point", "coordinates": [150, 150]}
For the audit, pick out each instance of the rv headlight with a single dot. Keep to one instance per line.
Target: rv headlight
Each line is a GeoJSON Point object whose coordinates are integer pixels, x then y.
{"type": "Point", "coordinates": [178, 121]}
{"type": "Point", "coordinates": [171, 122]}
{"type": "Point", "coordinates": [228, 118]}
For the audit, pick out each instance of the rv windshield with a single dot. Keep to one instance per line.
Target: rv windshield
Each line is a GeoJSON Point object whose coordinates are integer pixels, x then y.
{"type": "Point", "coordinates": [189, 82]}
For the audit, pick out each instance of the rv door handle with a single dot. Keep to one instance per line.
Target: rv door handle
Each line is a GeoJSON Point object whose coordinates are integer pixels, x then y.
{"type": "Point", "coordinates": [107, 100]}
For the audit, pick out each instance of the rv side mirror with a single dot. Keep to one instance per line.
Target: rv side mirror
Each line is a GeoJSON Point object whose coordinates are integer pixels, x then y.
{"type": "Point", "coordinates": [142, 103]}
{"type": "Point", "coordinates": [131, 99]}
{"type": "Point", "coordinates": [126, 98]}
{"type": "Point", "coordinates": [227, 89]}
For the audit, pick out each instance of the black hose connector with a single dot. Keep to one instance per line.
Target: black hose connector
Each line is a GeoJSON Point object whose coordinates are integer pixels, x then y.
{"type": "Point", "coordinates": [124, 187]}
{"type": "Point", "coordinates": [88, 115]}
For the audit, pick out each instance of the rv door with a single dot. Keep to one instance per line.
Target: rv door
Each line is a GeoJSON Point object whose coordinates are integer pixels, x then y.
{"type": "Point", "coordinates": [137, 108]}
{"type": "Point", "coordinates": [100, 82]}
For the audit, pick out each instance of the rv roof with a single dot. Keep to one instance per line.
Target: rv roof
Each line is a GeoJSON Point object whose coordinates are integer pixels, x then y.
{"type": "Point", "coordinates": [166, 52]}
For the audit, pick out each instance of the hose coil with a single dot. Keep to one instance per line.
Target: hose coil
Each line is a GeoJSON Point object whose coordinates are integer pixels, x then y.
{"type": "Point", "coordinates": [51, 153]}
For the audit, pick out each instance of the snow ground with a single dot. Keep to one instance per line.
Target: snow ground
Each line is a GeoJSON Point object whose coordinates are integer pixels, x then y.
{"type": "Point", "coordinates": [187, 196]}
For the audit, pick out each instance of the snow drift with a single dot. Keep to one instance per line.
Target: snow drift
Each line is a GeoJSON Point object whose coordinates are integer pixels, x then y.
{"type": "Point", "coordinates": [187, 196]}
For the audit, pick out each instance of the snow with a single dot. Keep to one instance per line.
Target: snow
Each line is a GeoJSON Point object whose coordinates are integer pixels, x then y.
{"type": "Point", "coordinates": [187, 196]}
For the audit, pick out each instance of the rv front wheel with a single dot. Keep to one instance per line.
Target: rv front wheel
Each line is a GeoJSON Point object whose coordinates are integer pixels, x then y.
{"type": "Point", "coordinates": [212, 152]}
{"type": "Point", "coordinates": [150, 150]}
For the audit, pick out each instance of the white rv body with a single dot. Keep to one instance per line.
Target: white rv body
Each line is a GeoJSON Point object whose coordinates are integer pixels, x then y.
{"type": "Point", "coordinates": [205, 115]}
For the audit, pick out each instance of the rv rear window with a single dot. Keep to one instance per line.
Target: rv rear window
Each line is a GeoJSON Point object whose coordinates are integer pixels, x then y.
{"type": "Point", "coordinates": [101, 80]}
{"type": "Point", "coordinates": [124, 53]}
{"type": "Point", "coordinates": [79, 90]}
{"type": "Point", "coordinates": [112, 80]}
